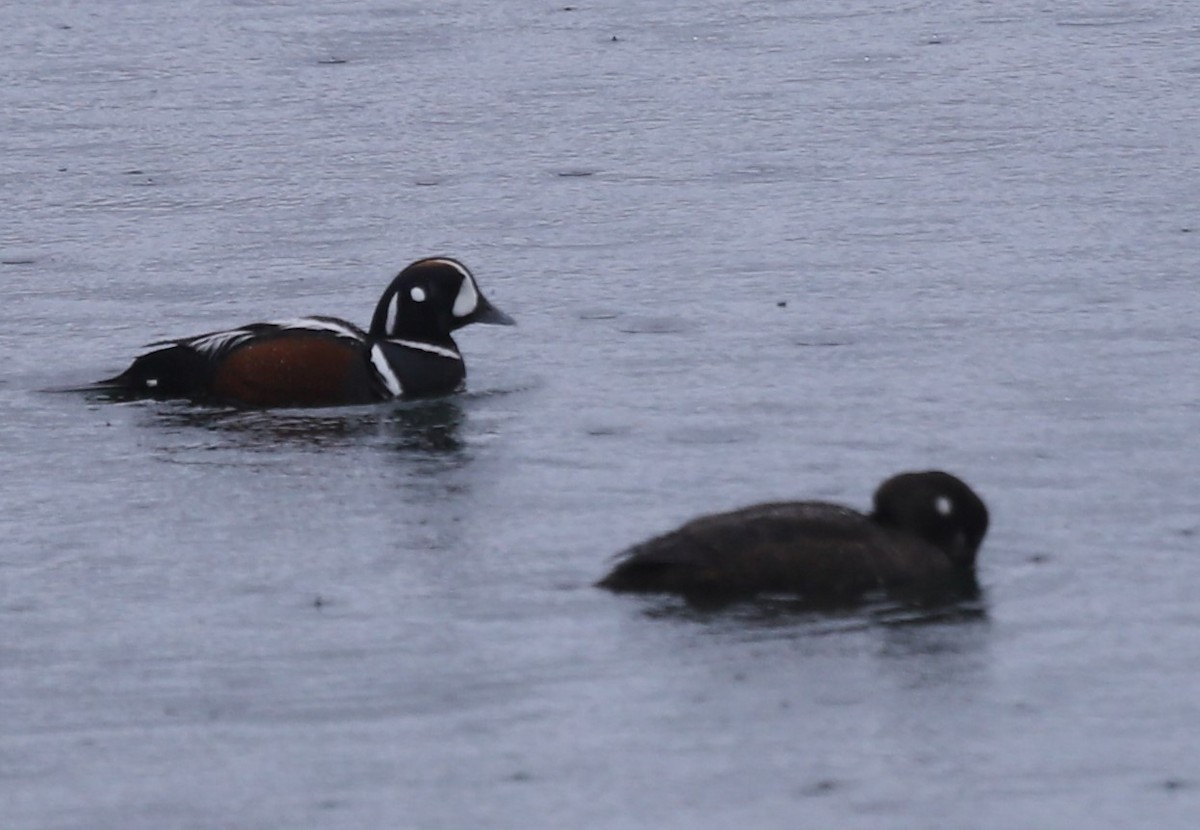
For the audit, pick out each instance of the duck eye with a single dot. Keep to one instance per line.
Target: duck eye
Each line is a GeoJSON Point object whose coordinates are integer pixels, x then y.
{"type": "Point", "coordinates": [943, 506]}
{"type": "Point", "coordinates": [418, 294]}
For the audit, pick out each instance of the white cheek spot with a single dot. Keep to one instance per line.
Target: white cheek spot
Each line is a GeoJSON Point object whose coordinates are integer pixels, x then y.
{"type": "Point", "coordinates": [943, 506]}
{"type": "Point", "coordinates": [418, 294]}
{"type": "Point", "coordinates": [151, 383]}
{"type": "Point", "coordinates": [467, 300]}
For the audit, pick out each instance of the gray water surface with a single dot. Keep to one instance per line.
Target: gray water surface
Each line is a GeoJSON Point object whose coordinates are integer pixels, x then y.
{"type": "Point", "coordinates": [757, 250]}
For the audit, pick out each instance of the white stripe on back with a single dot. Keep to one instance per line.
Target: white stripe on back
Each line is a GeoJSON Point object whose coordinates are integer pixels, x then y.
{"type": "Point", "coordinates": [219, 341]}
{"type": "Point", "coordinates": [222, 341]}
{"type": "Point", "coordinates": [320, 324]}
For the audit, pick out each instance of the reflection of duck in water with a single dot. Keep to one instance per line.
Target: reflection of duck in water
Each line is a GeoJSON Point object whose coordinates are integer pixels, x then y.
{"type": "Point", "coordinates": [324, 361]}
{"type": "Point", "coordinates": [919, 541]}
{"type": "Point", "coordinates": [430, 427]}
{"type": "Point", "coordinates": [427, 426]}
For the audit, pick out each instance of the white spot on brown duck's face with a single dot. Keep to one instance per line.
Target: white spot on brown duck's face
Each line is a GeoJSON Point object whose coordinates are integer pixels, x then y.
{"type": "Point", "coordinates": [943, 505]}
{"type": "Point", "coordinates": [417, 294]}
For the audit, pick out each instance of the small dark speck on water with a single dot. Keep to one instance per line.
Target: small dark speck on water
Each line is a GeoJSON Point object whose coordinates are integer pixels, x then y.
{"type": "Point", "coordinates": [319, 601]}
{"type": "Point", "coordinates": [614, 39]}
{"type": "Point", "coordinates": [598, 314]}
{"type": "Point", "coordinates": [652, 325]}
{"type": "Point", "coordinates": [821, 344]}
{"type": "Point", "coordinates": [521, 775]}
{"type": "Point", "coordinates": [605, 431]}
{"type": "Point", "coordinates": [781, 304]}
{"type": "Point", "coordinates": [575, 174]}
{"type": "Point", "coordinates": [822, 787]}
{"type": "Point", "coordinates": [1038, 558]}
{"type": "Point", "coordinates": [331, 61]}
{"type": "Point", "coordinates": [1174, 784]}
{"type": "Point", "coordinates": [16, 261]}
{"type": "Point", "coordinates": [1185, 230]}
{"type": "Point", "coordinates": [134, 172]}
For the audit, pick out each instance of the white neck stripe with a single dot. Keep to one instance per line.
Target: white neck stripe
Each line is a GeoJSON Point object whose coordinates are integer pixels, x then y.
{"type": "Point", "coordinates": [442, 351]}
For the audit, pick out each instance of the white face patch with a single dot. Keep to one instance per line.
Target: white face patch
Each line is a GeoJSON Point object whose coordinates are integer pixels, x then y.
{"type": "Point", "coordinates": [943, 506]}
{"type": "Point", "coordinates": [418, 294]}
{"type": "Point", "coordinates": [468, 298]}
{"type": "Point", "coordinates": [393, 312]}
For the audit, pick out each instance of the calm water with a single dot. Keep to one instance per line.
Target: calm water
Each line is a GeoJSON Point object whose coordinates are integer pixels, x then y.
{"type": "Point", "coordinates": [756, 250]}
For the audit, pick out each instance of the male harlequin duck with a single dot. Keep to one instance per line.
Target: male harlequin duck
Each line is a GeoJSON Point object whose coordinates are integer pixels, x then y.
{"type": "Point", "coordinates": [324, 361]}
{"type": "Point", "coordinates": [920, 540]}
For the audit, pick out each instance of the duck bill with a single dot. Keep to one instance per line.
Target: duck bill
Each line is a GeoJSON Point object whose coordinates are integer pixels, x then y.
{"type": "Point", "coordinates": [488, 313]}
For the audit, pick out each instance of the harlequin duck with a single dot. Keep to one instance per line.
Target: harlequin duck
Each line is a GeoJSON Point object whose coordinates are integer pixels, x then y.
{"type": "Point", "coordinates": [324, 361]}
{"type": "Point", "coordinates": [920, 540]}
